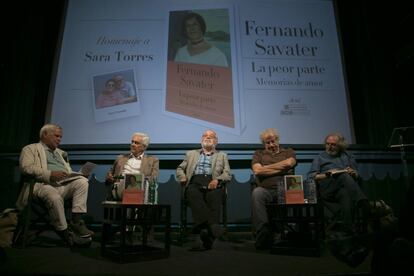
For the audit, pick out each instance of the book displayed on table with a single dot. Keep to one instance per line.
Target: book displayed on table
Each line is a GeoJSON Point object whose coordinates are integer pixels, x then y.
{"type": "Point", "coordinates": [134, 189]}
{"type": "Point", "coordinates": [294, 189]}
{"type": "Point", "coordinates": [139, 190]}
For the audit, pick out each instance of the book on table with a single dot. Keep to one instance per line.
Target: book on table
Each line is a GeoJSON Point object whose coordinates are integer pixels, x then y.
{"type": "Point", "coordinates": [294, 193]}
{"type": "Point", "coordinates": [134, 189]}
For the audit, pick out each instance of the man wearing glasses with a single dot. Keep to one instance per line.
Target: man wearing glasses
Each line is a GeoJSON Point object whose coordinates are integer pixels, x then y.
{"type": "Point", "coordinates": [269, 166]}
{"type": "Point", "coordinates": [336, 172]}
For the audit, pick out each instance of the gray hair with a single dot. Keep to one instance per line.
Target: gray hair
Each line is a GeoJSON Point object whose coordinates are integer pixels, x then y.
{"type": "Point", "coordinates": [144, 136]}
{"type": "Point", "coordinates": [342, 145]}
{"type": "Point", "coordinates": [47, 128]}
{"type": "Point", "coordinates": [269, 132]}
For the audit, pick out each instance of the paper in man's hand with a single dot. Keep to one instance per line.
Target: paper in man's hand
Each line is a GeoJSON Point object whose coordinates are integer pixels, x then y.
{"type": "Point", "coordinates": [84, 171]}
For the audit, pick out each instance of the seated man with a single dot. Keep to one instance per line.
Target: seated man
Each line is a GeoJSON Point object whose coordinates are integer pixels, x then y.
{"type": "Point", "coordinates": [336, 171]}
{"type": "Point", "coordinates": [135, 162]}
{"type": "Point", "coordinates": [49, 165]}
{"type": "Point", "coordinates": [269, 165]}
{"type": "Point", "coordinates": [202, 172]}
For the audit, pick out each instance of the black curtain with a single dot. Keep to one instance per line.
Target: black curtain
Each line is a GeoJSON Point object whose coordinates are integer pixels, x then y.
{"type": "Point", "coordinates": [30, 39]}
{"type": "Point", "coordinates": [378, 50]}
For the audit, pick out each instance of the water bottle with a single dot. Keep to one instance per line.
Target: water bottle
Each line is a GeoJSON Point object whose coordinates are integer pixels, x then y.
{"type": "Point", "coordinates": [311, 194]}
{"type": "Point", "coordinates": [154, 191]}
{"type": "Point", "coordinates": [281, 192]}
{"type": "Point", "coordinates": [151, 191]}
{"type": "Point", "coordinates": [146, 191]}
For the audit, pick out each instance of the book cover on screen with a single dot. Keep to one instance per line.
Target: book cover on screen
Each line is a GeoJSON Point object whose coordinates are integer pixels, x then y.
{"type": "Point", "coordinates": [200, 86]}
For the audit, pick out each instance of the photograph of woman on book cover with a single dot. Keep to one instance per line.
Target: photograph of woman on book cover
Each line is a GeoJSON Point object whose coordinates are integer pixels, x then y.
{"type": "Point", "coordinates": [200, 68]}
{"type": "Point", "coordinates": [294, 183]}
{"type": "Point", "coordinates": [200, 37]}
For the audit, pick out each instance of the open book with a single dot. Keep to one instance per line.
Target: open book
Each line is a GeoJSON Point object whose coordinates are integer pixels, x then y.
{"type": "Point", "coordinates": [84, 171]}
{"type": "Point", "coordinates": [336, 171]}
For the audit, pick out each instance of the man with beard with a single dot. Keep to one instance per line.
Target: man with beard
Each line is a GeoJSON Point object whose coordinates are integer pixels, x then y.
{"type": "Point", "coordinates": [336, 172]}
{"type": "Point", "coordinates": [203, 172]}
{"type": "Point", "coordinates": [269, 166]}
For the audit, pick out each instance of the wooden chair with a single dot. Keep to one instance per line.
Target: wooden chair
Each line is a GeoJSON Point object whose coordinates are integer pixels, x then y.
{"type": "Point", "coordinates": [26, 216]}
{"type": "Point", "coordinates": [34, 216]}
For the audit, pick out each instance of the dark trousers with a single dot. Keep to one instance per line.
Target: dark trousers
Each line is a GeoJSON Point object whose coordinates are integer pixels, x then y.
{"type": "Point", "coordinates": [205, 204]}
{"type": "Point", "coordinates": [343, 190]}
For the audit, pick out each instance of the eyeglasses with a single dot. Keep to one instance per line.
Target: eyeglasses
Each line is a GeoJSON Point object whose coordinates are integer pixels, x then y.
{"type": "Point", "coordinates": [331, 144]}
{"type": "Point", "coordinates": [270, 142]}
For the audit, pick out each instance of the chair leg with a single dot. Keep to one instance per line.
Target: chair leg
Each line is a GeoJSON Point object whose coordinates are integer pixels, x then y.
{"type": "Point", "coordinates": [27, 214]}
{"type": "Point", "coordinates": [183, 222]}
{"type": "Point", "coordinates": [224, 217]}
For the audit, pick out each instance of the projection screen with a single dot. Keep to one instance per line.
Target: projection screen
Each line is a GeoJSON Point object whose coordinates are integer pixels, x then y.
{"type": "Point", "coordinates": [130, 66]}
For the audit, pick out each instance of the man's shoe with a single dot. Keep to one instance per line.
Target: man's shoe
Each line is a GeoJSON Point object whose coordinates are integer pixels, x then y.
{"type": "Point", "coordinates": [80, 229]}
{"type": "Point", "coordinates": [72, 240]}
{"type": "Point", "coordinates": [195, 243]}
{"type": "Point", "coordinates": [207, 239]}
{"type": "Point", "coordinates": [264, 239]}
{"type": "Point", "coordinates": [66, 237]}
{"type": "Point", "coordinates": [216, 230]}
{"type": "Point", "coordinates": [79, 241]}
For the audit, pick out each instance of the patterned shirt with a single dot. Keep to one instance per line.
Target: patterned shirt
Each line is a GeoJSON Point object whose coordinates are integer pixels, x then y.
{"type": "Point", "coordinates": [204, 164]}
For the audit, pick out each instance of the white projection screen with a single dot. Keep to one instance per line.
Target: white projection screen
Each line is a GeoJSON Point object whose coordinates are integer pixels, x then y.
{"type": "Point", "coordinates": [278, 65]}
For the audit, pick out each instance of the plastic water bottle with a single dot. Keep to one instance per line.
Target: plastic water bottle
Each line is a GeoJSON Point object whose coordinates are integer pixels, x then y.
{"type": "Point", "coordinates": [146, 191]}
{"type": "Point", "coordinates": [281, 192]}
{"type": "Point", "coordinates": [151, 191]}
{"type": "Point", "coordinates": [154, 191]}
{"type": "Point", "coordinates": [311, 194]}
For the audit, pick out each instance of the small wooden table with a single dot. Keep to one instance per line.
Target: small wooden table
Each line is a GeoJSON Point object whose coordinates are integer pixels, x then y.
{"type": "Point", "coordinates": [130, 215]}
{"type": "Point", "coordinates": [301, 228]}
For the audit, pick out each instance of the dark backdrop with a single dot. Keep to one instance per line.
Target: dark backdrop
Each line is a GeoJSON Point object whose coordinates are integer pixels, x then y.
{"type": "Point", "coordinates": [378, 48]}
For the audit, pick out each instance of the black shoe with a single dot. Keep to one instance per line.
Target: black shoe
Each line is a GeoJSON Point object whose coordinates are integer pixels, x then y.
{"type": "Point", "coordinates": [195, 243]}
{"type": "Point", "coordinates": [207, 239]}
{"type": "Point", "coordinates": [215, 230]}
{"type": "Point", "coordinates": [80, 229]}
{"type": "Point", "coordinates": [72, 240]}
{"type": "Point", "coordinates": [81, 242]}
{"type": "Point", "coordinates": [264, 239]}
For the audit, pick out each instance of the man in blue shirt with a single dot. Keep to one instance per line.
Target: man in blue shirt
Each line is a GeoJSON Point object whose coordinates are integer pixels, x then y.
{"type": "Point", "coordinates": [336, 172]}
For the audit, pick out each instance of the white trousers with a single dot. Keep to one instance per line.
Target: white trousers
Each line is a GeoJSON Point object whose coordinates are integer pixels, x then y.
{"type": "Point", "coordinates": [54, 198]}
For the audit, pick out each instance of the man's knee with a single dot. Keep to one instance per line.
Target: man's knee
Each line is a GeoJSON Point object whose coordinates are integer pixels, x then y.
{"type": "Point", "coordinates": [259, 194]}
{"type": "Point", "coordinates": [81, 184]}
{"type": "Point", "coordinates": [54, 199]}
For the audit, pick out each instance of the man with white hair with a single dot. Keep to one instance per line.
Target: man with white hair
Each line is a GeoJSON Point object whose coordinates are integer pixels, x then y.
{"type": "Point", "coordinates": [49, 165]}
{"type": "Point", "coordinates": [336, 172]}
{"type": "Point", "coordinates": [269, 166]}
{"type": "Point", "coordinates": [202, 172]}
{"type": "Point", "coordinates": [135, 162]}
{"type": "Point", "coordinates": [125, 87]}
